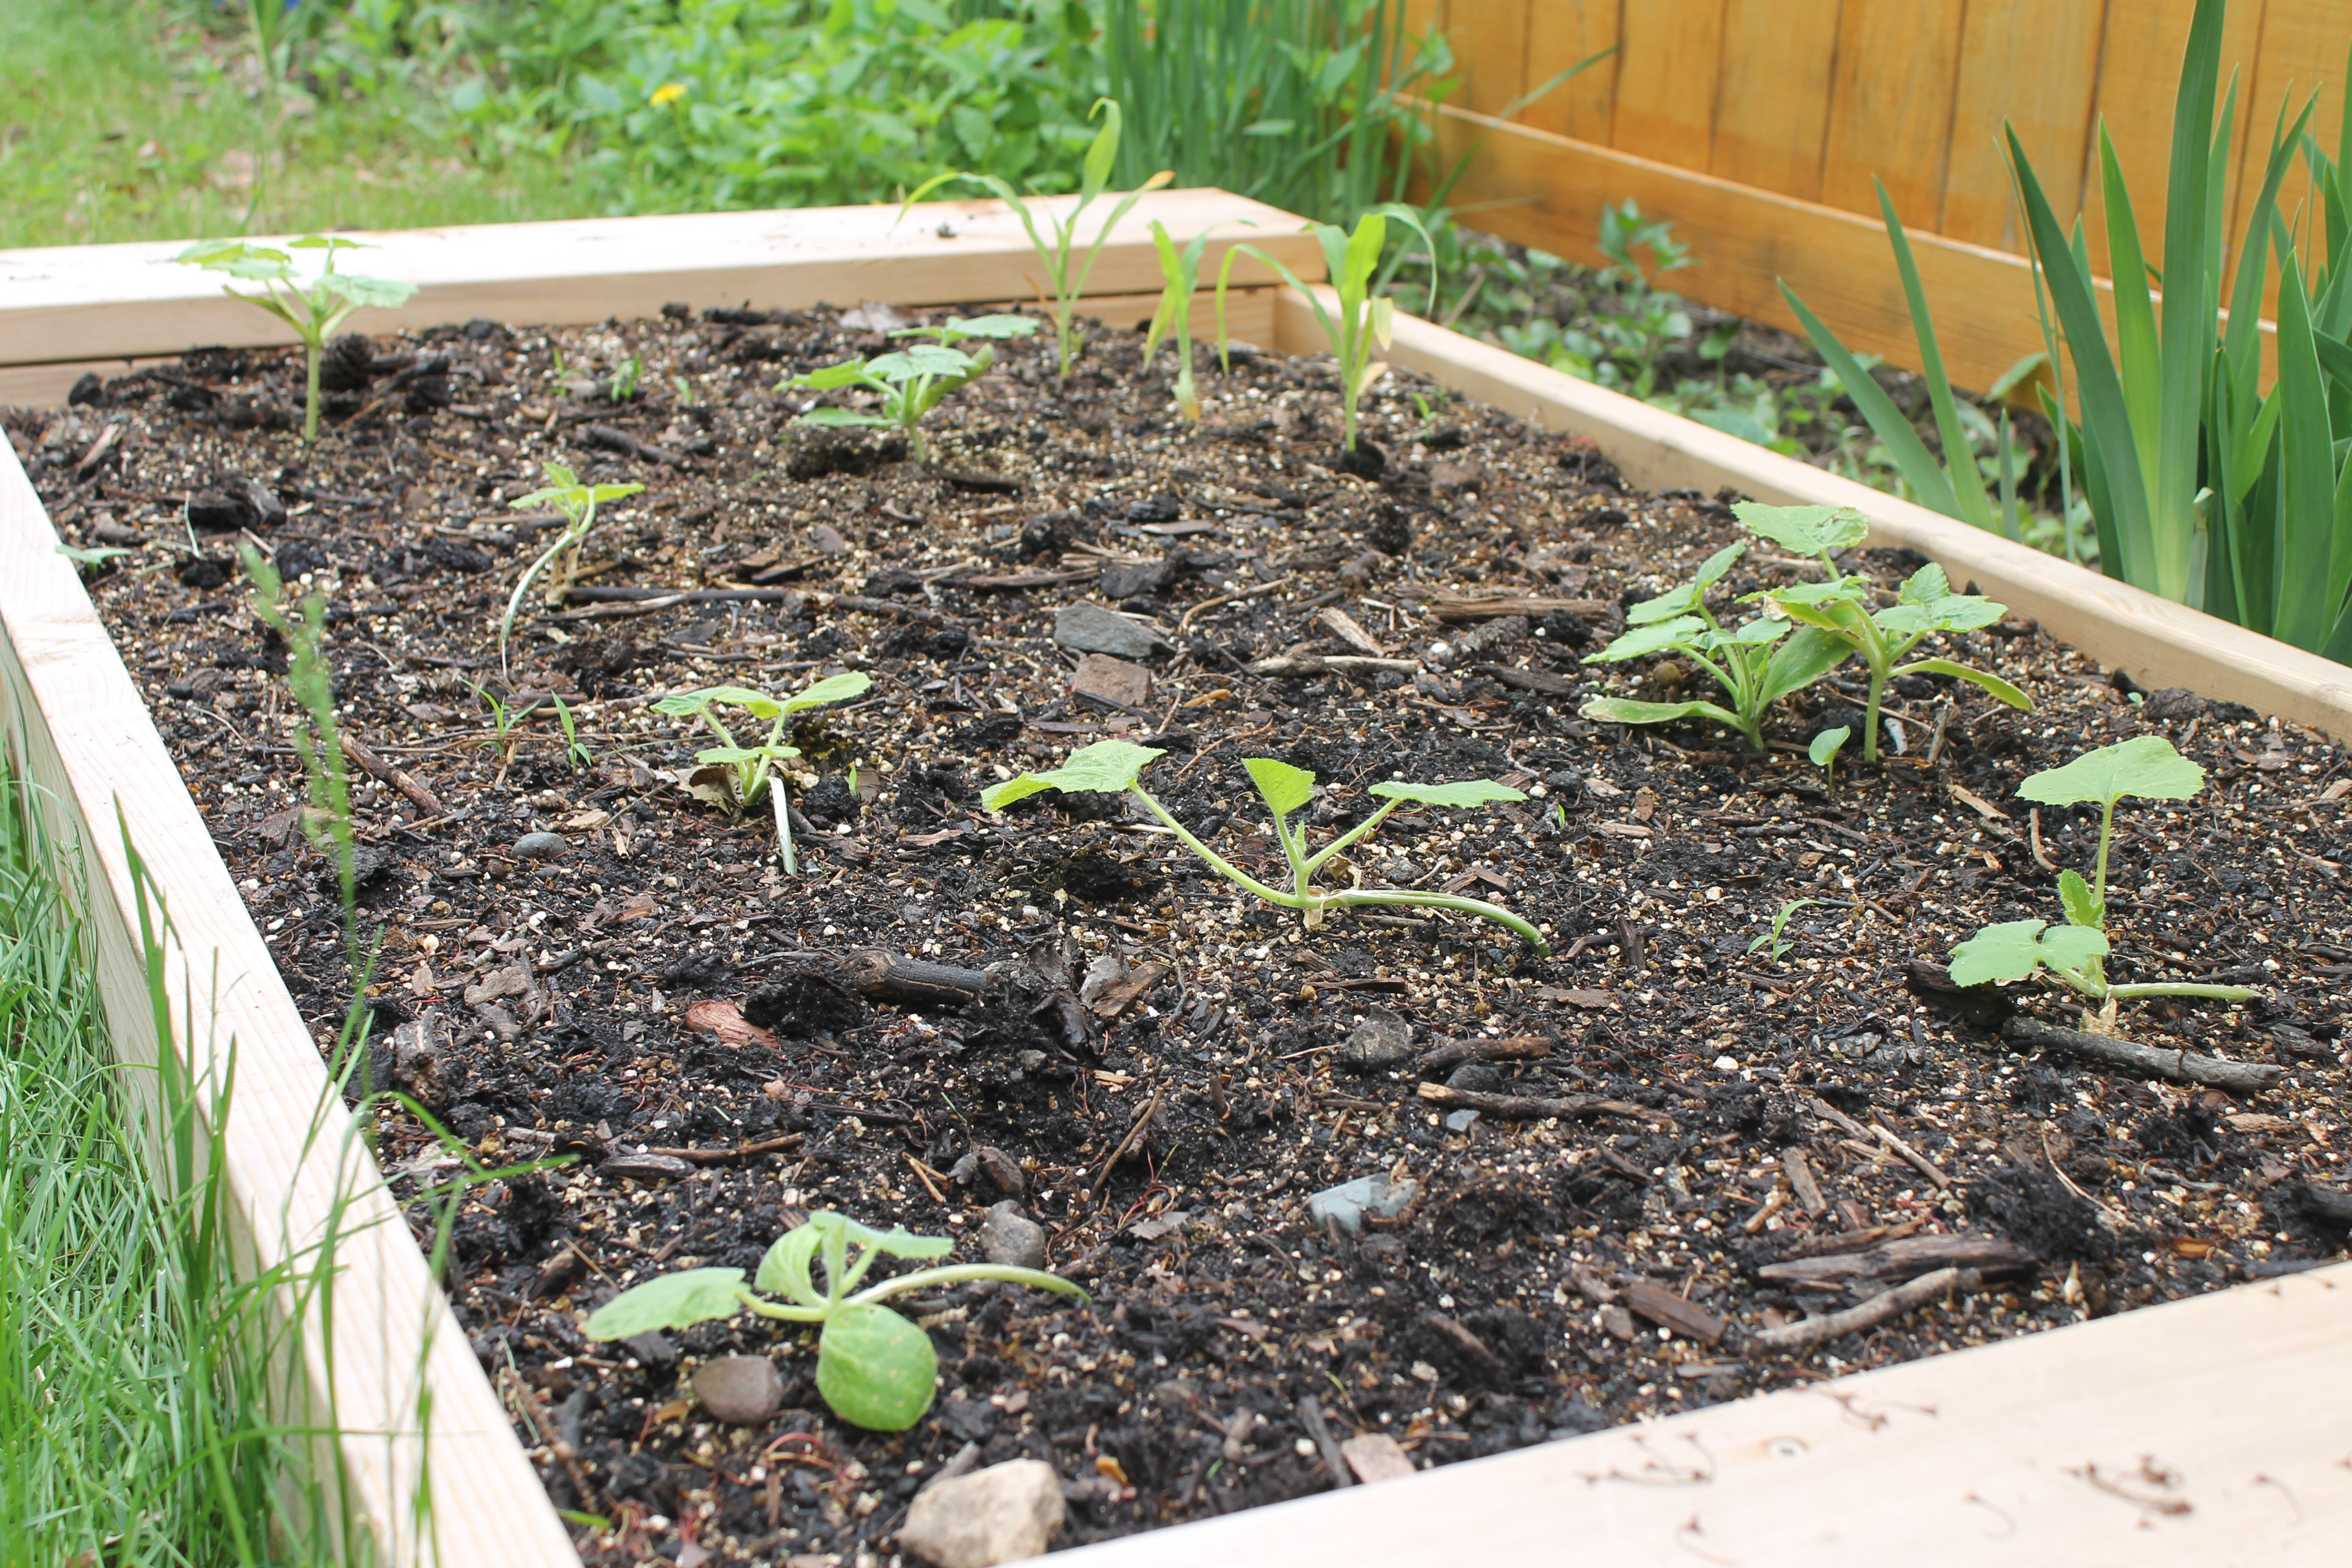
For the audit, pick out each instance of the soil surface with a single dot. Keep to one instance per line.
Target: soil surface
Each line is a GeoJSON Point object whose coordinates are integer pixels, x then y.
{"type": "Point", "coordinates": [1159, 1071]}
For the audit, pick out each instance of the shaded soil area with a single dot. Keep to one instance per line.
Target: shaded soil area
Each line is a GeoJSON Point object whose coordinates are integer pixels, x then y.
{"type": "Point", "coordinates": [1625, 1160]}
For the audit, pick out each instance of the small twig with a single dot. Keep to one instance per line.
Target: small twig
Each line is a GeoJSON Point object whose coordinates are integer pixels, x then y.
{"type": "Point", "coordinates": [924, 1174]}
{"type": "Point", "coordinates": [418, 795]}
{"type": "Point", "coordinates": [1917, 1161]}
{"type": "Point", "coordinates": [1529, 1108]}
{"type": "Point", "coordinates": [2033, 832]}
{"type": "Point", "coordinates": [1814, 1332]}
{"type": "Point", "coordinates": [1142, 1121]}
{"type": "Point", "coordinates": [1310, 1416]}
{"type": "Point", "coordinates": [1184, 622]}
{"type": "Point", "coordinates": [741, 1151]}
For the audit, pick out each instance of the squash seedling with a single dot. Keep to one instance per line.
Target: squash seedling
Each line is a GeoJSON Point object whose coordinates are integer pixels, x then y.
{"type": "Point", "coordinates": [314, 310]}
{"type": "Point", "coordinates": [1365, 322]}
{"type": "Point", "coordinates": [874, 1369]}
{"type": "Point", "coordinates": [1840, 606]}
{"type": "Point", "coordinates": [1065, 273]}
{"type": "Point", "coordinates": [1823, 753]}
{"type": "Point", "coordinates": [911, 381]}
{"type": "Point", "coordinates": [1180, 272]}
{"type": "Point", "coordinates": [749, 768]}
{"type": "Point", "coordinates": [1755, 664]}
{"type": "Point", "coordinates": [578, 503]}
{"type": "Point", "coordinates": [1115, 766]}
{"type": "Point", "coordinates": [2146, 767]}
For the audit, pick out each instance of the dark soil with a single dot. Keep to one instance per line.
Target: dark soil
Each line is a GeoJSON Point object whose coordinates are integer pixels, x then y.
{"type": "Point", "coordinates": [550, 999]}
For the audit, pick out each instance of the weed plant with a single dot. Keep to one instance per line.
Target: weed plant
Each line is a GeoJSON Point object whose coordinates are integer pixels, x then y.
{"type": "Point", "coordinates": [314, 310]}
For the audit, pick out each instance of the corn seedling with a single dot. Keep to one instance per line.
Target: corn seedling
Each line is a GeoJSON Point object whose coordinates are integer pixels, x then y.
{"type": "Point", "coordinates": [1115, 766]}
{"type": "Point", "coordinates": [625, 380]}
{"type": "Point", "coordinates": [1364, 320]}
{"type": "Point", "coordinates": [911, 381]}
{"type": "Point", "coordinates": [1067, 268]}
{"type": "Point", "coordinates": [314, 312]}
{"type": "Point", "coordinates": [1180, 272]}
{"type": "Point", "coordinates": [1773, 939]}
{"type": "Point", "coordinates": [874, 1368]}
{"type": "Point", "coordinates": [1756, 663]}
{"type": "Point", "coordinates": [576, 755]}
{"type": "Point", "coordinates": [749, 769]}
{"type": "Point", "coordinates": [2146, 767]}
{"type": "Point", "coordinates": [1840, 606]}
{"type": "Point", "coordinates": [578, 503]}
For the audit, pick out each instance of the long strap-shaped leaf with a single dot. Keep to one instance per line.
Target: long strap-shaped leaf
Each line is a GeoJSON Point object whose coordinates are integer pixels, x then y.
{"type": "Point", "coordinates": [1912, 459]}
{"type": "Point", "coordinates": [2192, 244]}
{"type": "Point", "coordinates": [1959, 456]}
{"type": "Point", "coordinates": [2306, 612]}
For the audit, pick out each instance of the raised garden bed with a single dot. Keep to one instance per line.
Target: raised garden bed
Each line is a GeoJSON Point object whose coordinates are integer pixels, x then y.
{"type": "Point", "coordinates": [1230, 1064]}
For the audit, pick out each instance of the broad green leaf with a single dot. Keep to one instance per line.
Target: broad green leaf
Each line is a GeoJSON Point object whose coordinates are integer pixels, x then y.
{"type": "Point", "coordinates": [924, 359]}
{"type": "Point", "coordinates": [1836, 590]}
{"type": "Point", "coordinates": [741, 697]}
{"type": "Point", "coordinates": [383, 293]}
{"type": "Point", "coordinates": [330, 242]}
{"type": "Point", "coordinates": [722, 754]}
{"type": "Point", "coordinates": [785, 1271]}
{"type": "Point", "coordinates": [875, 1369]}
{"type": "Point", "coordinates": [1469, 791]}
{"type": "Point", "coordinates": [238, 260]}
{"type": "Point", "coordinates": [1804, 530]}
{"type": "Point", "coordinates": [2082, 906]}
{"type": "Point", "coordinates": [1752, 633]}
{"type": "Point", "coordinates": [831, 688]}
{"type": "Point", "coordinates": [848, 373]}
{"type": "Point", "coordinates": [1826, 745]}
{"type": "Point", "coordinates": [2145, 766]}
{"type": "Point", "coordinates": [1283, 787]}
{"type": "Point", "coordinates": [1989, 682]}
{"type": "Point", "coordinates": [677, 1301]}
{"type": "Point", "coordinates": [2013, 949]}
{"type": "Point", "coordinates": [896, 1242]}
{"type": "Point", "coordinates": [1926, 586]}
{"type": "Point", "coordinates": [1107, 766]}
{"type": "Point", "coordinates": [1676, 633]}
{"type": "Point", "coordinates": [1625, 710]}
{"type": "Point", "coordinates": [1798, 662]}
{"type": "Point", "coordinates": [683, 704]}
{"type": "Point", "coordinates": [842, 418]}
{"type": "Point", "coordinates": [1001, 325]}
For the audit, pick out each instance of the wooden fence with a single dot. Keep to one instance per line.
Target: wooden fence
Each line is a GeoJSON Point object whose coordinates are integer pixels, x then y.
{"type": "Point", "coordinates": [1757, 126]}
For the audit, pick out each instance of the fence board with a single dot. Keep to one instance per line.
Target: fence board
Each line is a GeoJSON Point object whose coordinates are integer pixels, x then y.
{"type": "Point", "coordinates": [1772, 94]}
{"type": "Point", "coordinates": [1665, 82]}
{"type": "Point", "coordinates": [2037, 70]}
{"type": "Point", "coordinates": [1892, 116]}
{"type": "Point", "coordinates": [1560, 33]}
{"type": "Point", "coordinates": [2303, 48]}
{"type": "Point", "coordinates": [1491, 38]}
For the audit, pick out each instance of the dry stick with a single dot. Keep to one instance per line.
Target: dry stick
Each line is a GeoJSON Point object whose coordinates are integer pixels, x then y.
{"type": "Point", "coordinates": [1518, 1047]}
{"type": "Point", "coordinates": [1815, 1331]}
{"type": "Point", "coordinates": [1801, 1180]}
{"type": "Point", "coordinates": [2034, 832]}
{"type": "Point", "coordinates": [1527, 1108]}
{"type": "Point", "coordinates": [1143, 1120]}
{"type": "Point", "coordinates": [741, 1151]}
{"type": "Point", "coordinates": [418, 795]}
{"type": "Point", "coordinates": [1184, 622]}
{"type": "Point", "coordinates": [2147, 1061]}
{"type": "Point", "coordinates": [1310, 1416]}
{"type": "Point", "coordinates": [1919, 1161]}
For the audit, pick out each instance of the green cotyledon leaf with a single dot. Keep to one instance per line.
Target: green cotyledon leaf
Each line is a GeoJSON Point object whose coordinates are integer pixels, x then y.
{"type": "Point", "coordinates": [1652, 639]}
{"type": "Point", "coordinates": [677, 1301]}
{"type": "Point", "coordinates": [1625, 710]}
{"type": "Point", "coordinates": [2145, 766]}
{"type": "Point", "coordinates": [831, 688]}
{"type": "Point", "coordinates": [1283, 787]}
{"type": "Point", "coordinates": [875, 1369]}
{"type": "Point", "coordinates": [1469, 791]}
{"type": "Point", "coordinates": [1107, 765]}
{"type": "Point", "coordinates": [1805, 530]}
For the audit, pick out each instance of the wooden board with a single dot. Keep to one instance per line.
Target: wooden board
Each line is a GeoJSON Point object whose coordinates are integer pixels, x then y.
{"type": "Point", "coordinates": [2034, 68]}
{"type": "Point", "coordinates": [76, 729]}
{"type": "Point", "coordinates": [1668, 58]}
{"type": "Point", "coordinates": [1560, 33]}
{"type": "Point", "coordinates": [1772, 94]}
{"type": "Point", "coordinates": [2159, 642]}
{"type": "Point", "coordinates": [1891, 117]}
{"type": "Point", "coordinates": [117, 301]}
{"type": "Point", "coordinates": [2202, 1432]}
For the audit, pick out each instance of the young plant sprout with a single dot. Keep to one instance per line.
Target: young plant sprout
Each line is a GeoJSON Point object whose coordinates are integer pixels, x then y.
{"type": "Point", "coordinates": [1065, 274]}
{"type": "Point", "coordinates": [578, 503]}
{"type": "Point", "coordinates": [1365, 320]}
{"type": "Point", "coordinates": [912, 382]}
{"type": "Point", "coordinates": [1180, 271]}
{"type": "Point", "coordinates": [1774, 938]}
{"type": "Point", "coordinates": [314, 312]}
{"type": "Point", "coordinates": [2146, 767]}
{"type": "Point", "coordinates": [874, 1369]}
{"type": "Point", "coordinates": [1114, 766]}
{"type": "Point", "coordinates": [1823, 753]}
{"type": "Point", "coordinates": [1757, 664]}
{"type": "Point", "coordinates": [749, 769]}
{"type": "Point", "coordinates": [1839, 605]}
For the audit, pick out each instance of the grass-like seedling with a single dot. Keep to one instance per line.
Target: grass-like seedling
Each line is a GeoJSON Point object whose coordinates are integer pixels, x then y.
{"type": "Point", "coordinates": [911, 381]}
{"type": "Point", "coordinates": [1067, 268]}
{"type": "Point", "coordinates": [1180, 273]}
{"type": "Point", "coordinates": [874, 1368]}
{"type": "Point", "coordinates": [314, 310]}
{"type": "Point", "coordinates": [1774, 939]}
{"type": "Point", "coordinates": [2146, 767]}
{"type": "Point", "coordinates": [1364, 324]}
{"type": "Point", "coordinates": [751, 769]}
{"type": "Point", "coordinates": [1115, 766]}
{"type": "Point", "coordinates": [1839, 605]}
{"type": "Point", "coordinates": [578, 503]}
{"type": "Point", "coordinates": [1757, 664]}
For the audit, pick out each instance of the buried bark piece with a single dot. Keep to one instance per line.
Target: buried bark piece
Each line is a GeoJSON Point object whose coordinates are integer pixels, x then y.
{"type": "Point", "coordinates": [2146, 1061]}
{"type": "Point", "coordinates": [1668, 1311]}
{"type": "Point", "coordinates": [726, 1023]}
{"type": "Point", "coordinates": [418, 795]}
{"type": "Point", "coordinates": [1291, 668]}
{"type": "Point", "coordinates": [1518, 1048]}
{"type": "Point", "coordinates": [1529, 1108]}
{"type": "Point", "coordinates": [1810, 1332]}
{"type": "Point", "coordinates": [1903, 1258]}
{"type": "Point", "coordinates": [2325, 1204]}
{"type": "Point", "coordinates": [888, 976]}
{"type": "Point", "coordinates": [1006, 1513]}
{"type": "Point", "coordinates": [1376, 1456]}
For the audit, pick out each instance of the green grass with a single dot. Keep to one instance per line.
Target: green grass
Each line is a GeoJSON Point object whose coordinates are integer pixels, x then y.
{"type": "Point", "coordinates": [134, 1423]}
{"type": "Point", "coordinates": [128, 120]}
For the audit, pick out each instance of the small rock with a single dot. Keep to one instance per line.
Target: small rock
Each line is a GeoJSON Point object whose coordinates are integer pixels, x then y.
{"type": "Point", "coordinates": [540, 845]}
{"type": "Point", "coordinates": [1125, 580]}
{"type": "Point", "coordinates": [1618, 1321]}
{"type": "Point", "coordinates": [741, 1389]}
{"type": "Point", "coordinates": [1112, 680]}
{"type": "Point", "coordinates": [1461, 1121]}
{"type": "Point", "coordinates": [827, 540]}
{"type": "Point", "coordinates": [1089, 627]}
{"type": "Point", "coordinates": [1011, 1238]}
{"type": "Point", "coordinates": [652, 1347]}
{"type": "Point", "coordinates": [1381, 1040]}
{"type": "Point", "coordinates": [1001, 1170]}
{"type": "Point", "coordinates": [1006, 1513]}
{"type": "Point", "coordinates": [648, 1167]}
{"type": "Point", "coordinates": [1376, 1456]}
{"type": "Point", "coordinates": [1343, 1207]}
{"type": "Point", "coordinates": [1474, 1078]}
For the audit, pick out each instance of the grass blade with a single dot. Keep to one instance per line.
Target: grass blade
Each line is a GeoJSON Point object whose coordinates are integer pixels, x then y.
{"type": "Point", "coordinates": [1960, 457]}
{"type": "Point", "coordinates": [2305, 611]}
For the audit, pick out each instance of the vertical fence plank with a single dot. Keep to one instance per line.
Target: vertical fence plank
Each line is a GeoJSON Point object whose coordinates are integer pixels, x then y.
{"type": "Point", "coordinates": [2035, 67]}
{"type": "Point", "coordinates": [1490, 36]}
{"type": "Point", "coordinates": [1560, 33]}
{"type": "Point", "coordinates": [1772, 93]}
{"type": "Point", "coordinates": [1672, 52]}
{"type": "Point", "coordinates": [1890, 114]}
{"type": "Point", "coordinates": [2302, 48]}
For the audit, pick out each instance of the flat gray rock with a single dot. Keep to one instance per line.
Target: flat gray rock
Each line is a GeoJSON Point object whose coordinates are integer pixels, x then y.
{"type": "Point", "coordinates": [540, 845]}
{"type": "Point", "coordinates": [741, 1390]}
{"type": "Point", "coordinates": [1089, 627]}
{"type": "Point", "coordinates": [1006, 1513]}
{"type": "Point", "coordinates": [646, 1167]}
{"type": "Point", "coordinates": [1012, 1238]}
{"type": "Point", "coordinates": [1343, 1208]}
{"type": "Point", "coordinates": [1381, 1040]}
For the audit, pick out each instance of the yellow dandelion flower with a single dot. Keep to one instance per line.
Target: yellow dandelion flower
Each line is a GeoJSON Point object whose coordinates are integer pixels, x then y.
{"type": "Point", "coordinates": [667, 93]}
